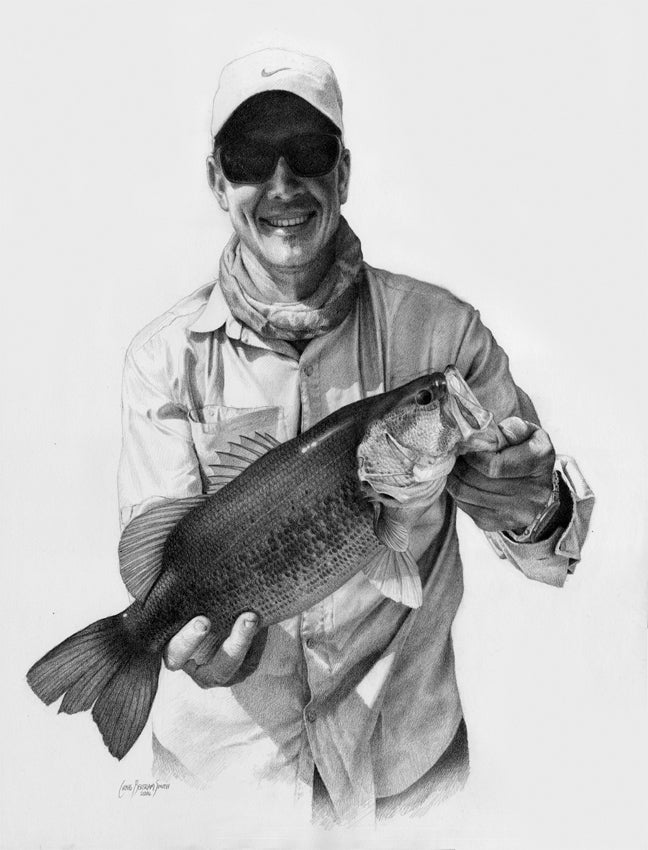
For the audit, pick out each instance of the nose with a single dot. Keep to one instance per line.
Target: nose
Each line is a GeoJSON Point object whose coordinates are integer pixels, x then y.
{"type": "Point", "coordinates": [284, 183]}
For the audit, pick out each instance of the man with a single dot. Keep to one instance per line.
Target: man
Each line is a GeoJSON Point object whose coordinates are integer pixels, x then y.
{"type": "Point", "coordinates": [354, 701]}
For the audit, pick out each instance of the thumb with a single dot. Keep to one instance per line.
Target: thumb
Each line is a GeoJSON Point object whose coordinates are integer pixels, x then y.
{"type": "Point", "coordinates": [516, 430]}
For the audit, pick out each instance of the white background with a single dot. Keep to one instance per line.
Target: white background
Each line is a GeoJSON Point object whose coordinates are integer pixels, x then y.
{"type": "Point", "coordinates": [499, 149]}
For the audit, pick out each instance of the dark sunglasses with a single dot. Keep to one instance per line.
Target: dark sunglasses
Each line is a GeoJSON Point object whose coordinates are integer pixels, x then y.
{"type": "Point", "coordinates": [307, 155]}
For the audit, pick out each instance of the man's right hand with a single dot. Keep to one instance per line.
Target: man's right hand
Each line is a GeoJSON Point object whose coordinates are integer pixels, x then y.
{"type": "Point", "coordinates": [211, 668]}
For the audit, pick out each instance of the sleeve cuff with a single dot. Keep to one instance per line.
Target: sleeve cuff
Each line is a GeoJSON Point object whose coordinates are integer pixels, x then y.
{"type": "Point", "coordinates": [551, 560]}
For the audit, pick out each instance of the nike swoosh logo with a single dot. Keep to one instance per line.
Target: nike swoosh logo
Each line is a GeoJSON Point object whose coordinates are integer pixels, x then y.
{"type": "Point", "coordinates": [265, 73]}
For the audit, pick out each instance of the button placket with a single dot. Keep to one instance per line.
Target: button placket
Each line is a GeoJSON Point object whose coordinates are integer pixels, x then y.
{"type": "Point", "coordinates": [310, 396]}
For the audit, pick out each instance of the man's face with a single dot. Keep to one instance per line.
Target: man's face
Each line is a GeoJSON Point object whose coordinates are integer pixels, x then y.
{"type": "Point", "coordinates": [287, 221]}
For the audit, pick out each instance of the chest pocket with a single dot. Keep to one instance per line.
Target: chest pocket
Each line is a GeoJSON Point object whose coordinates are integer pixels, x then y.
{"type": "Point", "coordinates": [213, 427]}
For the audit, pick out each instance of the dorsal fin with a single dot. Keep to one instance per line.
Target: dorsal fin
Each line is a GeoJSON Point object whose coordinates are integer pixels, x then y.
{"type": "Point", "coordinates": [269, 440]}
{"type": "Point", "coordinates": [253, 445]}
{"type": "Point", "coordinates": [239, 457]}
{"type": "Point", "coordinates": [142, 543]}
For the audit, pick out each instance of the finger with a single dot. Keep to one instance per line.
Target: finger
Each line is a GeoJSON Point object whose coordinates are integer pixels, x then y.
{"type": "Point", "coordinates": [466, 477]}
{"type": "Point", "coordinates": [253, 657]}
{"type": "Point", "coordinates": [513, 508]}
{"type": "Point", "coordinates": [228, 658]}
{"type": "Point", "coordinates": [240, 638]}
{"type": "Point", "coordinates": [516, 430]}
{"type": "Point", "coordinates": [534, 457]}
{"type": "Point", "coordinates": [183, 645]}
{"type": "Point", "coordinates": [515, 518]}
{"type": "Point", "coordinates": [510, 510]}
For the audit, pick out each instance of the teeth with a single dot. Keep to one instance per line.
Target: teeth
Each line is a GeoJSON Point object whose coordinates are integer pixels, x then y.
{"type": "Point", "coordinates": [287, 222]}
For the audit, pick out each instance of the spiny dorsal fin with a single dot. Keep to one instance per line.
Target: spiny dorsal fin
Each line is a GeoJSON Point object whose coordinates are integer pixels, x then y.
{"type": "Point", "coordinates": [239, 457]}
{"type": "Point", "coordinates": [142, 543]}
{"type": "Point", "coordinates": [253, 445]}
{"type": "Point", "coordinates": [270, 441]}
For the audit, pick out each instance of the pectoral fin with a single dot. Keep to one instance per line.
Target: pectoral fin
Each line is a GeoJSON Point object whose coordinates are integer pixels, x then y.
{"type": "Point", "coordinates": [389, 529]}
{"type": "Point", "coordinates": [396, 575]}
{"type": "Point", "coordinates": [393, 570]}
{"type": "Point", "coordinates": [142, 543]}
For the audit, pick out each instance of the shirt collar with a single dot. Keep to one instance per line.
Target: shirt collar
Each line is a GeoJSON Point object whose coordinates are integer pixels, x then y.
{"type": "Point", "coordinates": [214, 314]}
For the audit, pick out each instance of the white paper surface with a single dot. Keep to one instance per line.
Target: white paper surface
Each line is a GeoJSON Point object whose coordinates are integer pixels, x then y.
{"type": "Point", "coordinates": [498, 149]}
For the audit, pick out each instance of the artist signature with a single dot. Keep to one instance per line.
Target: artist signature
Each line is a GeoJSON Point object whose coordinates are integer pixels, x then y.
{"type": "Point", "coordinates": [141, 789]}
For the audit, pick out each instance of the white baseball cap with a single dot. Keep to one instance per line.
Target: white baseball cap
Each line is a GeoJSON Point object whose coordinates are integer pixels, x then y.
{"type": "Point", "coordinates": [310, 78]}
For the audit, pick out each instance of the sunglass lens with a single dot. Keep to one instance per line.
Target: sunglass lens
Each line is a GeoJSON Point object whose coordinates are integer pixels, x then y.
{"type": "Point", "coordinates": [245, 162]}
{"type": "Point", "coordinates": [313, 154]}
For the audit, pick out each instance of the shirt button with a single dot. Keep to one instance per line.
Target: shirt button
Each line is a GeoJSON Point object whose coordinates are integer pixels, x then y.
{"type": "Point", "coordinates": [310, 643]}
{"type": "Point", "coordinates": [311, 715]}
{"type": "Point", "coordinates": [308, 371]}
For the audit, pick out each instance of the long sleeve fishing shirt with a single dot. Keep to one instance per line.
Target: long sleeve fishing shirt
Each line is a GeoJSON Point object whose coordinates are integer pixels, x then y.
{"type": "Point", "coordinates": [358, 685]}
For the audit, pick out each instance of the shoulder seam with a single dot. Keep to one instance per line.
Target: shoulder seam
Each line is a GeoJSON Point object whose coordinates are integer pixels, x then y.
{"type": "Point", "coordinates": [166, 319]}
{"type": "Point", "coordinates": [413, 285]}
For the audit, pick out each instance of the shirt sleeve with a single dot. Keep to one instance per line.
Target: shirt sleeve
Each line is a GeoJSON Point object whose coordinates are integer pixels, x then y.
{"type": "Point", "coordinates": [485, 367]}
{"type": "Point", "coordinates": [552, 560]}
{"type": "Point", "coordinates": [158, 460]}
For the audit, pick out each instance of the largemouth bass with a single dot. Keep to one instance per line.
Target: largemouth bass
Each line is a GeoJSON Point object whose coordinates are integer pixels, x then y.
{"type": "Point", "coordinates": [295, 523]}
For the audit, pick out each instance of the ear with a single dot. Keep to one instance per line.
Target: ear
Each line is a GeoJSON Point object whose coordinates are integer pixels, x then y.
{"type": "Point", "coordinates": [344, 174]}
{"type": "Point", "coordinates": [217, 182]}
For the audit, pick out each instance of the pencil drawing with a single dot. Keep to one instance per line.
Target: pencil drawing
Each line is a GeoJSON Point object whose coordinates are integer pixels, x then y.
{"type": "Point", "coordinates": [288, 507]}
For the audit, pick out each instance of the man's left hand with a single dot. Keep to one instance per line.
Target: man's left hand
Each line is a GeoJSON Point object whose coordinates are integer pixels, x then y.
{"type": "Point", "coordinates": [506, 490]}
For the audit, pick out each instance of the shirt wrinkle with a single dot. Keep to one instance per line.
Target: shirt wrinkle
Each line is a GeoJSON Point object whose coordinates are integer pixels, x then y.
{"type": "Point", "coordinates": [376, 680]}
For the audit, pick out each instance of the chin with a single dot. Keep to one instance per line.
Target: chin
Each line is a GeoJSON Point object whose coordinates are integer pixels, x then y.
{"type": "Point", "coordinates": [289, 258]}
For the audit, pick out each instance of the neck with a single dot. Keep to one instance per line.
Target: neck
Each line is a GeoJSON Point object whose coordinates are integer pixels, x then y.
{"type": "Point", "coordinates": [287, 285]}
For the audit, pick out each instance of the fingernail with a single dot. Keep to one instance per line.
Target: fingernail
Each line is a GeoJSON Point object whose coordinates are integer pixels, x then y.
{"type": "Point", "coordinates": [250, 621]}
{"type": "Point", "coordinates": [200, 626]}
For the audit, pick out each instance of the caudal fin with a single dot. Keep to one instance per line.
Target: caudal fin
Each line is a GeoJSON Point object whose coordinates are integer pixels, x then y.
{"type": "Point", "coordinates": [102, 665]}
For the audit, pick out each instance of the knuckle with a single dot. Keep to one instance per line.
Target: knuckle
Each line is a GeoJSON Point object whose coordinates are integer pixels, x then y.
{"type": "Point", "coordinates": [452, 485]}
{"type": "Point", "coordinates": [541, 443]}
{"type": "Point", "coordinates": [204, 682]}
{"type": "Point", "coordinates": [528, 516]}
{"type": "Point", "coordinates": [176, 654]}
{"type": "Point", "coordinates": [235, 649]}
{"type": "Point", "coordinates": [494, 466]}
{"type": "Point", "coordinates": [492, 524]}
{"type": "Point", "coordinates": [510, 523]}
{"type": "Point", "coordinates": [204, 676]}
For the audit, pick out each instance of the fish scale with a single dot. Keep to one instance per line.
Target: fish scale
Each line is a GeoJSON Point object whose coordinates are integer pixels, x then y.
{"type": "Point", "coordinates": [298, 548]}
{"type": "Point", "coordinates": [288, 531]}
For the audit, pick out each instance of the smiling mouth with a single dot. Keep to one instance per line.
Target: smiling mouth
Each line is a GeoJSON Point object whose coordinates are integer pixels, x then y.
{"type": "Point", "coordinates": [293, 221]}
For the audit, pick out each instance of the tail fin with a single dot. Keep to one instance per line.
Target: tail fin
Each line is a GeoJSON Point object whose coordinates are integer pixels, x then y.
{"type": "Point", "coordinates": [102, 665]}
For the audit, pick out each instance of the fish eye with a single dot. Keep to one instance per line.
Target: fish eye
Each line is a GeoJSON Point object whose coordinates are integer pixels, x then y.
{"type": "Point", "coordinates": [423, 397]}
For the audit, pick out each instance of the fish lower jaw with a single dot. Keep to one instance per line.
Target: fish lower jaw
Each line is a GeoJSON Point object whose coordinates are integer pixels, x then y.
{"type": "Point", "coordinates": [429, 472]}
